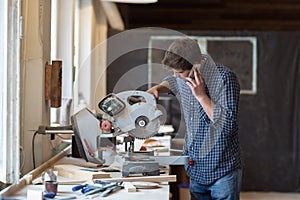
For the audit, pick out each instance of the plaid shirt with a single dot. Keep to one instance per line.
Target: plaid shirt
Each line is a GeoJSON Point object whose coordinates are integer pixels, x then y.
{"type": "Point", "coordinates": [213, 146]}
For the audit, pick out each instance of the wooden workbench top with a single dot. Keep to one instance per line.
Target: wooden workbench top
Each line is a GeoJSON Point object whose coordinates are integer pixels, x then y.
{"type": "Point", "coordinates": [19, 191]}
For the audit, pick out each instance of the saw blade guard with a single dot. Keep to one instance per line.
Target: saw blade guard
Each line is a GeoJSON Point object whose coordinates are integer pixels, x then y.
{"type": "Point", "coordinates": [134, 112]}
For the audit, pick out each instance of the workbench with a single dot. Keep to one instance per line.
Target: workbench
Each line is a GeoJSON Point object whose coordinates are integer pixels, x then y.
{"type": "Point", "coordinates": [161, 193]}
{"type": "Point", "coordinates": [19, 191]}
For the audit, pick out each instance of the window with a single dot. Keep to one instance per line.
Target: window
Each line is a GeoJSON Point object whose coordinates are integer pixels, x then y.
{"type": "Point", "coordinates": [10, 90]}
{"type": "Point", "coordinates": [62, 48]}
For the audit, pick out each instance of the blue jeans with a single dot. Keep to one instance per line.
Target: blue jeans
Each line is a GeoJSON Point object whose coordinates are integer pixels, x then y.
{"type": "Point", "coordinates": [227, 187]}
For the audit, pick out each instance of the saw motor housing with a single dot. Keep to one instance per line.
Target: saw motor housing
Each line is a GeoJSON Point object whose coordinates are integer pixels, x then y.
{"type": "Point", "coordinates": [134, 112]}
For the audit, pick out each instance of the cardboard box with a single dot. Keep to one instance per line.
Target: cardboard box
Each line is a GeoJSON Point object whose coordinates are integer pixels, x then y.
{"type": "Point", "coordinates": [184, 192]}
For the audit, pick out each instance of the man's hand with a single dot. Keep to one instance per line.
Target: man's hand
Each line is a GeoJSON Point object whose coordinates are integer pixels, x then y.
{"type": "Point", "coordinates": [198, 88]}
{"type": "Point", "coordinates": [154, 92]}
{"type": "Point", "coordinates": [197, 85]}
{"type": "Point", "coordinates": [163, 87]}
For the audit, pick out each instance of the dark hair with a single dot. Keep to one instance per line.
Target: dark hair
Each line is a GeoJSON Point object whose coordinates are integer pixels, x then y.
{"type": "Point", "coordinates": [182, 54]}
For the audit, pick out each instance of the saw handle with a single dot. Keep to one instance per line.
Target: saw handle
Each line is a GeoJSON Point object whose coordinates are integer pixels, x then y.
{"type": "Point", "coordinates": [133, 97]}
{"type": "Point", "coordinates": [133, 100]}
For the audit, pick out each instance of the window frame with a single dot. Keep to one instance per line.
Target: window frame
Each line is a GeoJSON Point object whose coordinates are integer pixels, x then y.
{"type": "Point", "coordinates": [10, 86]}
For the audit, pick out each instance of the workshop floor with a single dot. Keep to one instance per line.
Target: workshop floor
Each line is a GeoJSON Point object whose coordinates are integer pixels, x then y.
{"type": "Point", "coordinates": [269, 196]}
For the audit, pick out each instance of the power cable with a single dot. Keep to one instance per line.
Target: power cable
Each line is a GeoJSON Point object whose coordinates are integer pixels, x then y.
{"type": "Point", "coordinates": [33, 154]}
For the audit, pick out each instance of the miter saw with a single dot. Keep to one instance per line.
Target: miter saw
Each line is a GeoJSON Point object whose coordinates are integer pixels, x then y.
{"type": "Point", "coordinates": [133, 113]}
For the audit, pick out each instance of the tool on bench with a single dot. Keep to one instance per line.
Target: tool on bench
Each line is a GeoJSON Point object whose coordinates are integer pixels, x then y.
{"type": "Point", "coordinates": [102, 187]}
{"type": "Point", "coordinates": [110, 190]}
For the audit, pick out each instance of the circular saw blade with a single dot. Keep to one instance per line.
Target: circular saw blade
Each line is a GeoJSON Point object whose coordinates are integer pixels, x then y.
{"type": "Point", "coordinates": [145, 132]}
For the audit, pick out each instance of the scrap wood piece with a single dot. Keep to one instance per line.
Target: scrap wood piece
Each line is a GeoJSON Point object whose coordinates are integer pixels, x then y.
{"type": "Point", "coordinates": [129, 187]}
{"type": "Point", "coordinates": [75, 173]}
{"type": "Point", "coordinates": [70, 182]}
{"type": "Point", "coordinates": [145, 185]}
{"type": "Point", "coordinates": [77, 161]}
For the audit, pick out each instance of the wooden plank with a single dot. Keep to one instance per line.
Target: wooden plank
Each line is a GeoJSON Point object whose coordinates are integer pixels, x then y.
{"type": "Point", "coordinates": [75, 173]}
{"type": "Point", "coordinates": [15, 187]}
{"type": "Point", "coordinates": [38, 171]}
{"type": "Point", "coordinates": [78, 162]}
{"type": "Point", "coordinates": [34, 174]}
{"type": "Point", "coordinates": [70, 182]}
{"type": "Point", "coordinates": [56, 83]}
{"type": "Point", "coordinates": [163, 178]}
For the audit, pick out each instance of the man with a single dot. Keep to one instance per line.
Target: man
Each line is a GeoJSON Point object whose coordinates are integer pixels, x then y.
{"type": "Point", "coordinates": [209, 101]}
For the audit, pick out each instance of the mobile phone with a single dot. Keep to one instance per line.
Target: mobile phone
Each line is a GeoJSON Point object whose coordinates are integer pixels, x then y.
{"type": "Point", "coordinates": [199, 66]}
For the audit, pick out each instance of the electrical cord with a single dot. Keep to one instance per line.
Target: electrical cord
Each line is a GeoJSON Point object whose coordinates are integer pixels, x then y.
{"type": "Point", "coordinates": [49, 130]}
{"type": "Point", "coordinates": [32, 146]}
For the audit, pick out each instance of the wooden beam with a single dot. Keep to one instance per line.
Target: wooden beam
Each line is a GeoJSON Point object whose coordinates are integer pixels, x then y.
{"type": "Point", "coordinates": [28, 178]}
{"type": "Point", "coordinates": [113, 15]}
{"type": "Point", "coordinates": [162, 178]}
{"type": "Point", "coordinates": [77, 173]}
{"type": "Point", "coordinates": [56, 83]}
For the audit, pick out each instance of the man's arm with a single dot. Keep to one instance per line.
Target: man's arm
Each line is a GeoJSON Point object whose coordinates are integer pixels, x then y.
{"type": "Point", "coordinates": [208, 106]}
{"type": "Point", "coordinates": [163, 87]}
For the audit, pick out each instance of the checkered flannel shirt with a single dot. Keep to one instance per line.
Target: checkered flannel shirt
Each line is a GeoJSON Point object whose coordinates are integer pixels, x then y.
{"type": "Point", "coordinates": [213, 146]}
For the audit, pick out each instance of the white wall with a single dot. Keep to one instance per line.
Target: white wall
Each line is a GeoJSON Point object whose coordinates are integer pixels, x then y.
{"type": "Point", "coordinates": [35, 52]}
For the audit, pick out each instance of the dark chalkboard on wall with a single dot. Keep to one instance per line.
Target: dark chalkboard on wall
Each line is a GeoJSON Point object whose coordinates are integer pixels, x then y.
{"type": "Point", "coordinates": [236, 55]}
